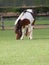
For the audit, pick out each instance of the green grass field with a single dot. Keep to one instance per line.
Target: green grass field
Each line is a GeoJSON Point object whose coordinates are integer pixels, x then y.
{"type": "Point", "coordinates": [24, 52]}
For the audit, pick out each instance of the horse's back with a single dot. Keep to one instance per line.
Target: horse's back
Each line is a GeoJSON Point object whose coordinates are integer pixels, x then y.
{"type": "Point", "coordinates": [28, 16]}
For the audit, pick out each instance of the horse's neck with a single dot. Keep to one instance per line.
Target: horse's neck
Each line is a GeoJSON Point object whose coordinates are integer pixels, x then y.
{"type": "Point", "coordinates": [19, 18]}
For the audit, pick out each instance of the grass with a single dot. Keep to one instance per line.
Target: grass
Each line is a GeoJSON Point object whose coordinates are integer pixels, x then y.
{"type": "Point", "coordinates": [24, 52]}
{"type": "Point", "coordinates": [42, 20]}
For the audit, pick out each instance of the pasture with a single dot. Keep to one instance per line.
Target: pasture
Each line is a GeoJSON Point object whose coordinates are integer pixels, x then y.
{"type": "Point", "coordinates": [25, 52]}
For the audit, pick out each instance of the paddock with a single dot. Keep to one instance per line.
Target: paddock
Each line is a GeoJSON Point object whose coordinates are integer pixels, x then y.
{"type": "Point", "coordinates": [25, 52]}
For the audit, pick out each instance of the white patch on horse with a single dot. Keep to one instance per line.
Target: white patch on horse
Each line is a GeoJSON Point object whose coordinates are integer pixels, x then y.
{"type": "Point", "coordinates": [28, 16]}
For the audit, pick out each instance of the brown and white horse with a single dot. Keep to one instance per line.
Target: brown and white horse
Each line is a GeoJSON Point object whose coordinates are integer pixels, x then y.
{"type": "Point", "coordinates": [24, 24]}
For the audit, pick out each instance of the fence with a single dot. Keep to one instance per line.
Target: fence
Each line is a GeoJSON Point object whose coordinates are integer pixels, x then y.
{"type": "Point", "coordinates": [7, 22]}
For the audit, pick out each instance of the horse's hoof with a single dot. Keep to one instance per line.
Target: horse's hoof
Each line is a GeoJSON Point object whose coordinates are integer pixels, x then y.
{"type": "Point", "coordinates": [30, 38]}
{"type": "Point", "coordinates": [21, 38]}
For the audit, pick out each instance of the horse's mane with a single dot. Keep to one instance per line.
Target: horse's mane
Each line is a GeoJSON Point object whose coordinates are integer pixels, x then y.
{"type": "Point", "coordinates": [18, 26]}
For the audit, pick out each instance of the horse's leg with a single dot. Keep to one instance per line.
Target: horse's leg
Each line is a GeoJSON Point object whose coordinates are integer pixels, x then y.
{"type": "Point", "coordinates": [23, 33]}
{"type": "Point", "coordinates": [30, 31]}
{"type": "Point", "coordinates": [26, 31]}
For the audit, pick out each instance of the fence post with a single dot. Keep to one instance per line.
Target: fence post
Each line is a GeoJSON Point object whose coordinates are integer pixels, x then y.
{"type": "Point", "coordinates": [2, 21]}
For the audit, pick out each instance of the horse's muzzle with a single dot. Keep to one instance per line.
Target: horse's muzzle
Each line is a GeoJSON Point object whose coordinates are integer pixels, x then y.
{"type": "Point", "coordinates": [18, 35]}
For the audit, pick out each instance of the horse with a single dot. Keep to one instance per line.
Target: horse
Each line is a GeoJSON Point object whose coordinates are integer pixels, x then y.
{"type": "Point", "coordinates": [24, 24]}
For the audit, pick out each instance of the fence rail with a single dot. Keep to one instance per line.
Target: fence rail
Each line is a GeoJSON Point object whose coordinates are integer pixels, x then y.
{"type": "Point", "coordinates": [7, 21]}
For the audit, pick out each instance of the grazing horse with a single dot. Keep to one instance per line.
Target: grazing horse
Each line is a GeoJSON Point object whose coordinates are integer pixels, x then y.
{"type": "Point", "coordinates": [24, 24]}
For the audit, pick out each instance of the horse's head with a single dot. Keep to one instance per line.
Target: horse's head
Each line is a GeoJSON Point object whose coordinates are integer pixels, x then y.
{"type": "Point", "coordinates": [18, 34]}
{"type": "Point", "coordinates": [18, 29]}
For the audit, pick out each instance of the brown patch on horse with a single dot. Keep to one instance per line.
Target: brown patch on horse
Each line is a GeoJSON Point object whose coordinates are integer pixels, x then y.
{"type": "Point", "coordinates": [18, 30]}
{"type": "Point", "coordinates": [18, 35]}
{"type": "Point", "coordinates": [25, 22]}
{"type": "Point", "coordinates": [18, 26]}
